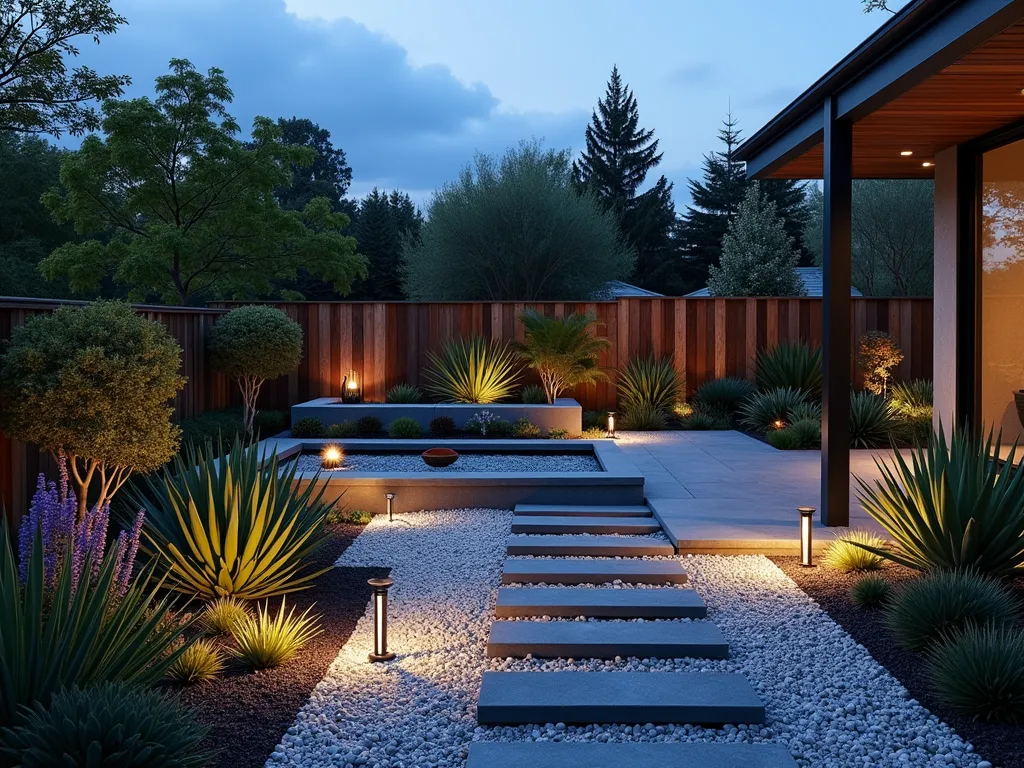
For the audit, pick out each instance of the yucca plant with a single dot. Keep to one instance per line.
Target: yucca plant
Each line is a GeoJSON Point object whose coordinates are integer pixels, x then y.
{"type": "Point", "coordinates": [848, 556]}
{"type": "Point", "coordinates": [723, 395]}
{"type": "Point", "coordinates": [809, 410]}
{"type": "Point", "coordinates": [912, 396]}
{"type": "Point", "coordinates": [790, 365]}
{"type": "Point", "coordinates": [404, 393]}
{"type": "Point", "coordinates": [221, 616]}
{"type": "Point", "coordinates": [472, 371]}
{"type": "Point", "coordinates": [649, 383]}
{"type": "Point", "coordinates": [202, 661]}
{"type": "Point", "coordinates": [951, 505]}
{"type": "Point", "coordinates": [871, 422]}
{"type": "Point", "coordinates": [772, 409]}
{"type": "Point", "coordinates": [266, 641]}
{"type": "Point", "coordinates": [233, 525]}
{"type": "Point", "coordinates": [563, 350]}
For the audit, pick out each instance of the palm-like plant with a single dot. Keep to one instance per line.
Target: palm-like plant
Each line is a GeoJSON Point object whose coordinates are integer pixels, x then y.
{"type": "Point", "coordinates": [563, 350]}
{"type": "Point", "coordinates": [233, 525]}
{"type": "Point", "coordinates": [950, 505]}
{"type": "Point", "coordinates": [647, 382]}
{"type": "Point", "coordinates": [472, 371]}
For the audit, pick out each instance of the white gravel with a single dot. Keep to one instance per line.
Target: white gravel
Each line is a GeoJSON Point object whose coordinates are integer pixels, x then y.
{"type": "Point", "coordinates": [826, 698]}
{"type": "Point", "coordinates": [468, 462]}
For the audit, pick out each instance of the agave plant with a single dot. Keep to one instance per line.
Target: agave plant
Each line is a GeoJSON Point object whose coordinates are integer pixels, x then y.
{"type": "Point", "coordinates": [789, 365]}
{"type": "Point", "coordinates": [772, 409]}
{"type": "Point", "coordinates": [871, 421]}
{"type": "Point", "coordinates": [950, 505]}
{"type": "Point", "coordinates": [237, 524]}
{"type": "Point", "coordinates": [472, 371]}
{"type": "Point", "coordinates": [404, 393]}
{"type": "Point", "coordinates": [647, 382]}
{"type": "Point", "coordinates": [563, 350]}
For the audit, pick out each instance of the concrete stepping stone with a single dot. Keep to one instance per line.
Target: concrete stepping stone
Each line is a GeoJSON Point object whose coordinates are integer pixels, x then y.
{"type": "Point", "coordinates": [588, 546]}
{"type": "Point", "coordinates": [540, 754]}
{"type": "Point", "coordinates": [600, 603]}
{"type": "Point", "coordinates": [634, 525]}
{"type": "Point", "coordinates": [697, 698]}
{"type": "Point", "coordinates": [606, 640]}
{"type": "Point", "coordinates": [519, 570]}
{"type": "Point", "coordinates": [569, 510]}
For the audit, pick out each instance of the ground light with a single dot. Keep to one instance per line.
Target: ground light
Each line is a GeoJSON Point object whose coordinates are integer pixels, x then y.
{"type": "Point", "coordinates": [331, 457]}
{"type": "Point", "coordinates": [806, 536]}
{"type": "Point", "coordinates": [380, 617]}
{"type": "Point", "coordinates": [611, 425]}
{"type": "Point", "coordinates": [350, 392]}
{"type": "Point", "coordinates": [391, 512]}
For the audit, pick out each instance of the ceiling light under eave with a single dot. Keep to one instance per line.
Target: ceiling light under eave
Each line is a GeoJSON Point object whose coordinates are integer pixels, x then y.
{"type": "Point", "coordinates": [906, 153]}
{"type": "Point", "coordinates": [927, 164]}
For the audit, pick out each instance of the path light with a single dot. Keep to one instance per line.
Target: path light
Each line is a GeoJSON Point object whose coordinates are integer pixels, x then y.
{"type": "Point", "coordinates": [806, 535]}
{"type": "Point", "coordinates": [380, 617]}
{"type": "Point", "coordinates": [611, 425]}
{"type": "Point", "coordinates": [331, 457]}
{"type": "Point", "coordinates": [391, 512]}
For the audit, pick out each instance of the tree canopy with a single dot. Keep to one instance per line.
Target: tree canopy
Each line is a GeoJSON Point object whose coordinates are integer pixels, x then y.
{"type": "Point", "coordinates": [514, 228]}
{"type": "Point", "coordinates": [381, 224]}
{"type": "Point", "coordinates": [186, 210]}
{"type": "Point", "coordinates": [328, 175]}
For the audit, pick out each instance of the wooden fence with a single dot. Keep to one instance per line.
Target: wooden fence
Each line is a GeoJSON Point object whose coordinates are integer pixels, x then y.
{"type": "Point", "coordinates": [385, 343]}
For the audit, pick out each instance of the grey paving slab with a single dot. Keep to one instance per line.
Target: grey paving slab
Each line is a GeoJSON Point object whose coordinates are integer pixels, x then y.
{"type": "Point", "coordinates": [535, 571]}
{"type": "Point", "coordinates": [627, 525]}
{"type": "Point", "coordinates": [699, 698]}
{"type": "Point", "coordinates": [539, 754]}
{"type": "Point", "coordinates": [588, 546]}
{"type": "Point", "coordinates": [600, 603]}
{"type": "Point", "coordinates": [568, 510]}
{"type": "Point", "coordinates": [607, 639]}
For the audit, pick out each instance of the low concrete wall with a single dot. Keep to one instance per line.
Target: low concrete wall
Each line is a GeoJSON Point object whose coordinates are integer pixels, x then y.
{"type": "Point", "coordinates": [619, 483]}
{"type": "Point", "coordinates": [565, 414]}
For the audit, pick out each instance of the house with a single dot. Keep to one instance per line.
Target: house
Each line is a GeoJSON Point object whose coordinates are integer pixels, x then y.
{"type": "Point", "coordinates": [616, 289]}
{"type": "Point", "coordinates": [810, 276]}
{"type": "Point", "coordinates": [936, 92]}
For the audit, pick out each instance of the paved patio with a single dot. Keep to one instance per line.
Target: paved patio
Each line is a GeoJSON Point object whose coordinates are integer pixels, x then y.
{"type": "Point", "coordinates": [725, 491]}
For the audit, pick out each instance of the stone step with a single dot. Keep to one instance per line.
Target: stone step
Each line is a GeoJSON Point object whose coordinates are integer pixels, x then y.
{"type": "Point", "coordinates": [606, 640]}
{"type": "Point", "coordinates": [569, 510]}
{"type": "Point", "coordinates": [634, 525]}
{"type": "Point", "coordinates": [600, 603]}
{"type": "Point", "coordinates": [521, 570]}
{"type": "Point", "coordinates": [541, 754]}
{"type": "Point", "coordinates": [588, 546]}
{"type": "Point", "coordinates": [697, 698]}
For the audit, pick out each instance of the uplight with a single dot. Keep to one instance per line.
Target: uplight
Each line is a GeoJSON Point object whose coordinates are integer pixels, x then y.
{"type": "Point", "coordinates": [331, 457]}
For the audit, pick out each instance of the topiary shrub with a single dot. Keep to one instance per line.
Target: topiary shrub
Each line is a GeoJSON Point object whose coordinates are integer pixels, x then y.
{"type": "Point", "coordinates": [643, 418]}
{"type": "Point", "coordinates": [93, 383]}
{"type": "Point", "coordinates": [472, 371]}
{"type": "Point", "coordinates": [251, 345]}
{"type": "Point", "coordinates": [405, 428]}
{"type": "Point", "coordinates": [342, 430]}
{"type": "Point", "coordinates": [878, 354]}
{"type": "Point", "coordinates": [871, 592]}
{"type": "Point", "coordinates": [978, 672]}
{"type": "Point", "coordinates": [404, 393]}
{"type": "Point", "coordinates": [773, 409]}
{"type": "Point", "coordinates": [525, 429]}
{"type": "Point", "coordinates": [871, 421]}
{"type": "Point", "coordinates": [650, 384]}
{"type": "Point", "coordinates": [369, 426]}
{"type": "Point", "coordinates": [723, 395]}
{"type": "Point", "coordinates": [110, 724]}
{"type": "Point", "coordinates": [941, 602]}
{"type": "Point", "coordinates": [847, 554]}
{"type": "Point", "coordinates": [532, 394]}
{"type": "Point", "coordinates": [562, 350]}
{"type": "Point", "coordinates": [442, 426]}
{"type": "Point", "coordinates": [790, 365]}
{"type": "Point", "coordinates": [309, 428]}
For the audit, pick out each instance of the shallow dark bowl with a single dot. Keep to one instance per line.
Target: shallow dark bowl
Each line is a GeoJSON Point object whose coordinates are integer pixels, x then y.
{"type": "Point", "coordinates": [439, 457]}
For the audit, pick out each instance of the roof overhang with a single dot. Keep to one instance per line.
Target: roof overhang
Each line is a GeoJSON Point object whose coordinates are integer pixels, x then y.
{"type": "Point", "coordinates": [938, 73]}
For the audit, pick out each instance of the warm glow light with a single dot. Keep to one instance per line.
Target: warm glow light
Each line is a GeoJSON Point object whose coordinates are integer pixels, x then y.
{"type": "Point", "coordinates": [380, 620]}
{"type": "Point", "coordinates": [927, 164]}
{"type": "Point", "coordinates": [778, 424]}
{"type": "Point", "coordinates": [352, 384]}
{"type": "Point", "coordinates": [907, 152]}
{"type": "Point", "coordinates": [806, 536]}
{"type": "Point", "coordinates": [611, 424]}
{"type": "Point", "coordinates": [332, 457]}
{"type": "Point", "coordinates": [390, 498]}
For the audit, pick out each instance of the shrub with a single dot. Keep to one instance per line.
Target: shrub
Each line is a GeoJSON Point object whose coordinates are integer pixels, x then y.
{"type": "Point", "coordinates": [702, 421]}
{"type": "Point", "coordinates": [342, 430]}
{"type": "Point", "coordinates": [213, 426]}
{"type": "Point", "coordinates": [500, 428]}
{"type": "Point", "coordinates": [109, 724]}
{"type": "Point", "coordinates": [405, 428]}
{"type": "Point", "coordinates": [871, 421]}
{"type": "Point", "coordinates": [871, 592]}
{"type": "Point", "coordinates": [643, 418]}
{"type": "Point", "coordinates": [723, 395]}
{"type": "Point", "coordinates": [648, 383]}
{"type": "Point", "coordinates": [524, 428]}
{"type": "Point", "coordinates": [472, 371]}
{"type": "Point", "coordinates": [309, 427]}
{"type": "Point", "coordinates": [879, 353]}
{"type": "Point", "coordinates": [266, 641]}
{"type": "Point", "coordinates": [941, 602]}
{"type": "Point", "coordinates": [907, 397]}
{"type": "Point", "coordinates": [809, 410]}
{"type": "Point", "coordinates": [681, 409]}
{"type": "Point", "coordinates": [951, 506]}
{"type": "Point", "coordinates": [201, 661]}
{"type": "Point", "coordinates": [233, 525]}
{"type": "Point", "coordinates": [481, 423]}
{"type": "Point", "coordinates": [442, 426]}
{"type": "Point", "coordinates": [595, 420]}
{"type": "Point", "coordinates": [978, 672]}
{"type": "Point", "coordinates": [350, 516]}
{"type": "Point", "coordinates": [593, 433]}
{"type": "Point", "coordinates": [268, 423]}
{"type": "Point", "coordinates": [252, 344]}
{"type": "Point", "coordinates": [404, 393]}
{"type": "Point", "coordinates": [221, 616]}
{"type": "Point", "coordinates": [93, 383]}
{"type": "Point", "coordinates": [765, 410]}
{"type": "Point", "coordinates": [369, 426]}
{"type": "Point", "coordinates": [558, 434]}
{"type": "Point", "coordinates": [563, 350]}
{"type": "Point", "coordinates": [798, 436]}
{"type": "Point", "coordinates": [532, 394]}
{"type": "Point", "coordinates": [845, 555]}
{"type": "Point", "coordinates": [911, 427]}
{"type": "Point", "coordinates": [790, 365]}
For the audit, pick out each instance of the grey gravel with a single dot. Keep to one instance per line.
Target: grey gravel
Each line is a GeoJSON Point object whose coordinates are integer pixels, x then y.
{"type": "Point", "coordinates": [468, 462]}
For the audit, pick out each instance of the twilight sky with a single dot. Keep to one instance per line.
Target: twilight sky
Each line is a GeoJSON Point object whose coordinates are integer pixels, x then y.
{"type": "Point", "coordinates": [410, 89]}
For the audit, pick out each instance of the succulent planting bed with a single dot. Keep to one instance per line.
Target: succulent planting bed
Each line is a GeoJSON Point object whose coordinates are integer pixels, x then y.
{"type": "Point", "coordinates": [828, 700]}
{"type": "Point", "coordinates": [468, 462]}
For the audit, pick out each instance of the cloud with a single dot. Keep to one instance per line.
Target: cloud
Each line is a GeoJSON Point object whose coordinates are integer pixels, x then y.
{"type": "Point", "coordinates": [697, 73]}
{"type": "Point", "coordinates": [774, 99]}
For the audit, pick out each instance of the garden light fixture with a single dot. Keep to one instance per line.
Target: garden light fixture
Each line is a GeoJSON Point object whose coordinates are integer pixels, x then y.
{"type": "Point", "coordinates": [331, 457]}
{"type": "Point", "coordinates": [778, 424]}
{"type": "Point", "coordinates": [611, 425]}
{"type": "Point", "coordinates": [391, 512]}
{"type": "Point", "coordinates": [350, 391]}
{"type": "Point", "coordinates": [380, 618]}
{"type": "Point", "coordinates": [806, 535]}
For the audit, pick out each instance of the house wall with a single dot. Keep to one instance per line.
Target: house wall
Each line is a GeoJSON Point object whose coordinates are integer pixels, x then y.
{"type": "Point", "coordinates": [945, 296]}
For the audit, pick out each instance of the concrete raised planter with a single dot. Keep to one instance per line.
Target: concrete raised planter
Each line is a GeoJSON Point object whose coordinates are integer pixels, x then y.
{"type": "Point", "coordinates": [565, 414]}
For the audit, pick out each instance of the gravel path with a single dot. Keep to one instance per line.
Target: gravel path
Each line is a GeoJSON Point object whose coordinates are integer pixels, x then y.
{"type": "Point", "coordinates": [468, 462]}
{"type": "Point", "coordinates": [827, 699]}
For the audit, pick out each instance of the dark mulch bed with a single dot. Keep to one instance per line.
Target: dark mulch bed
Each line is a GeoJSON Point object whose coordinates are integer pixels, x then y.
{"type": "Point", "coordinates": [999, 744]}
{"type": "Point", "coordinates": [248, 712]}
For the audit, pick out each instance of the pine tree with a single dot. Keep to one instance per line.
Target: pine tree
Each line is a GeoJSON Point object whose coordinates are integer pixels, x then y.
{"type": "Point", "coordinates": [758, 257]}
{"type": "Point", "coordinates": [381, 223]}
{"type": "Point", "coordinates": [618, 156]}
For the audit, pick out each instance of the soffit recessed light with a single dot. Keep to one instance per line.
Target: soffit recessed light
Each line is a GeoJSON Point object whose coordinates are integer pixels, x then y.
{"type": "Point", "coordinates": [907, 152]}
{"type": "Point", "coordinates": [927, 164]}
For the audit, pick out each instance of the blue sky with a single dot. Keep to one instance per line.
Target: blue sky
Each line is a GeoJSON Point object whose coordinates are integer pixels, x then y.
{"type": "Point", "coordinates": [411, 89]}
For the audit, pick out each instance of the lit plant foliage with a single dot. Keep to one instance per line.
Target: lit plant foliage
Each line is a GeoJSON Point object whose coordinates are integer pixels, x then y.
{"type": "Point", "coordinates": [871, 592]}
{"type": "Point", "coordinates": [472, 371]}
{"type": "Point", "coordinates": [200, 662]}
{"type": "Point", "coordinates": [649, 383]}
{"type": "Point", "coordinates": [563, 350]}
{"type": "Point", "coordinates": [221, 616]}
{"type": "Point", "coordinates": [266, 641]}
{"type": "Point", "coordinates": [847, 554]}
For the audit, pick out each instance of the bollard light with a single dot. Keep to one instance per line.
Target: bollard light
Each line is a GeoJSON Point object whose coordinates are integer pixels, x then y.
{"type": "Point", "coordinates": [380, 619]}
{"type": "Point", "coordinates": [611, 425]}
{"type": "Point", "coordinates": [391, 512]}
{"type": "Point", "coordinates": [331, 457]}
{"type": "Point", "coordinates": [806, 536]}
